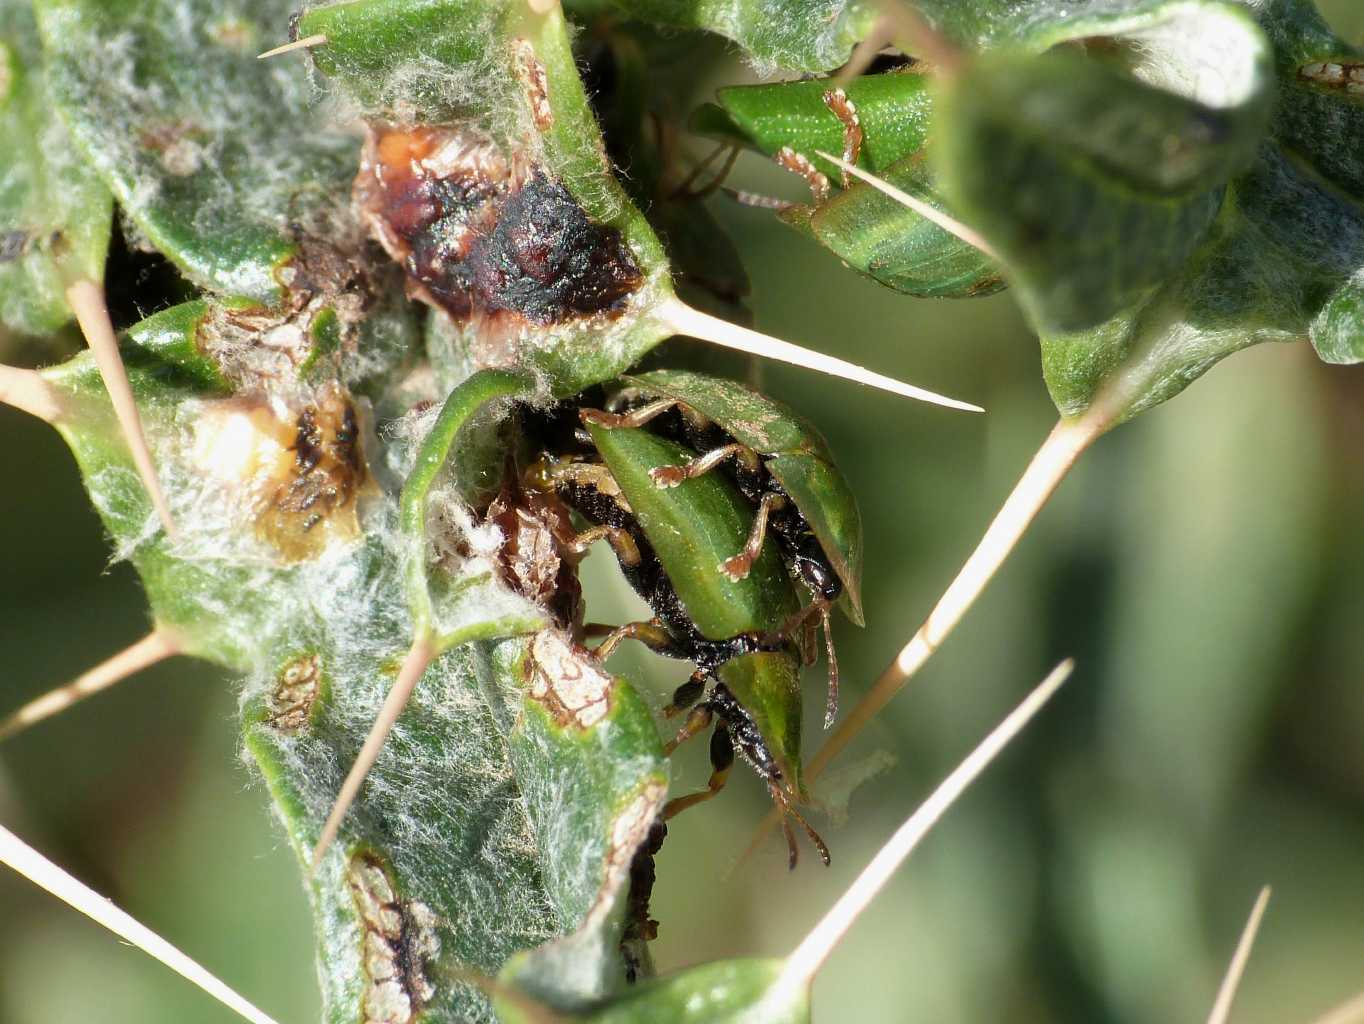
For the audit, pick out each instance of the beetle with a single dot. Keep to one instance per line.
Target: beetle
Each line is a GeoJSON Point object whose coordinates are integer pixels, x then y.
{"type": "Point", "coordinates": [733, 629]}
{"type": "Point", "coordinates": [879, 122]}
{"type": "Point", "coordinates": [780, 463]}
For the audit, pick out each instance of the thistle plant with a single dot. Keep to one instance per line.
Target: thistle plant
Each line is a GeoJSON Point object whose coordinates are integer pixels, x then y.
{"type": "Point", "coordinates": [397, 239]}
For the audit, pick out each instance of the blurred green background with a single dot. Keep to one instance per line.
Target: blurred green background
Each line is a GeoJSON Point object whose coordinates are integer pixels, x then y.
{"type": "Point", "coordinates": [1203, 565]}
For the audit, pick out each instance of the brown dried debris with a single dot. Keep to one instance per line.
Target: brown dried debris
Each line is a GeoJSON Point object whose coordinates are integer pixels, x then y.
{"type": "Point", "coordinates": [399, 940]}
{"type": "Point", "coordinates": [323, 483]}
{"type": "Point", "coordinates": [568, 681]}
{"type": "Point", "coordinates": [489, 239]}
{"type": "Point", "coordinates": [290, 703]}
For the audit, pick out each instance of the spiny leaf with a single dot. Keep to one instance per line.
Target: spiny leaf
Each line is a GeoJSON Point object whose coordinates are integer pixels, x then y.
{"type": "Point", "coordinates": [218, 159]}
{"type": "Point", "coordinates": [447, 860]}
{"type": "Point", "coordinates": [724, 992]}
{"type": "Point", "coordinates": [55, 214]}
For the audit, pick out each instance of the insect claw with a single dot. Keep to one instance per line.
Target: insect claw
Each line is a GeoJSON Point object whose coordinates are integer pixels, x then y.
{"type": "Point", "coordinates": [668, 476]}
{"type": "Point", "coordinates": [736, 568]}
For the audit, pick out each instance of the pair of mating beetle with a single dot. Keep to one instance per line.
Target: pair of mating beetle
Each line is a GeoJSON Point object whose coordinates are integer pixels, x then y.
{"type": "Point", "coordinates": [717, 502]}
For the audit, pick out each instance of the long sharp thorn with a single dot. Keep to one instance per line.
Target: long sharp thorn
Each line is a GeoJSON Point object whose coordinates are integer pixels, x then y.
{"type": "Point", "coordinates": [1349, 1012]}
{"type": "Point", "coordinates": [815, 948]}
{"type": "Point", "coordinates": [47, 875]}
{"type": "Point", "coordinates": [423, 650]}
{"type": "Point", "coordinates": [92, 313]}
{"type": "Point", "coordinates": [692, 322]}
{"type": "Point", "coordinates": [926, 210]}
{"type": "Point", "coordinates": [1051, 463]}
{"type": "Point", "coordinates": [305, 43]}
{"type": "Point", "coordinates": [1221, 1007]}
{"type": "Point", "coordinates": [28, 392]}
{"type": "Point", "coordinates": [155, 646]}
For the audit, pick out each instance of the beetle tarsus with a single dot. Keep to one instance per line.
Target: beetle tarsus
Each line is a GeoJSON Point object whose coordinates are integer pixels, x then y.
{"type": "Point", "coordinates": [739, 566]}
{"type": "Point", "coordinates": [671, 476]}
{"type": "Point", "coordinates": [721, 761]}
{"type": "Point", "coordinates": [789, 814]}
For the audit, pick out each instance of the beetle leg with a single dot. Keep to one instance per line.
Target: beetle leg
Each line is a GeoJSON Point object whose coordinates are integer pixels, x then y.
{"type": "Point", "coordinates": [721, 761]}
{"type": "Point", "coordinates": [842, 108]}
{"type": "Point", "coordinates": [620, 540]}
{"type": "Point", "coordinates": [634, 418]}
{"type": "Point", "coordinates": [686, 695]}
{"type": "Point", "coordinates": [696, 722]}
{"type": "Point", "coordinates": [788, 814]}
{"type": "Point", "coordinates": [650, 634]}
{"type": "Point", "coordinates": [738, 567]}
{"type": "Point", "coordinates": [671, 476]}
{"type": "Point", "coordinates": [797, 163]}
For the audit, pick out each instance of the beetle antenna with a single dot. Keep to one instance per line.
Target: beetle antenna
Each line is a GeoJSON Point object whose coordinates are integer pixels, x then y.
{"type": "Point", "coordinates": [419, 656]}
{"type": "Point", "coordinates": [307, 42]}
{"type": "Point", "coordinates": [788, 814]}
{"type": "Point", "coordinates": [692, 322]}
{"type": "Point", "coordinates": [92, 313]}
{"type": "Point", "coordinates": [831, 702]}
{"type": "Point", "coordinates": [928, 211]}
{"type": "Point", "coordinates": [48, 876]}
{"type": "Point", "coordinates": [792, 850]}
{"type": "Point", "coordinates": [28, 392]}
{"type": "Point", "coordinates": [154, 647]}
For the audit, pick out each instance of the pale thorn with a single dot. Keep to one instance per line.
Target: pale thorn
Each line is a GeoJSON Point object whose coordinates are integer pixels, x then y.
{"type": "Point", "coordinates": [1221, 1007]}
{"type": "Point", "coordinates": [154, 647]}
{"type": "Point", "coordinates": [542, 7]}
{"type": "Point", "coordinates": [92, 313]}
{"type": "Point", "coordinates": [692, 322]}
{"type": "Point", "coordinates": [307, 42]}
{"type": "Point", "coordinates": [48, 876]}
{"type": "Point", "coordinates": [807, 958]}
{"type": "Point", "coordinates": [28, 392]}
{"type": "Point", "coordinates": [1068, 440]}
{"type": "Point", "coordinates": [419, 656]}
{"type": "Point", "coordinates": [928, 211]}
{"type": "Point", "coordinates": [1349, 1012]}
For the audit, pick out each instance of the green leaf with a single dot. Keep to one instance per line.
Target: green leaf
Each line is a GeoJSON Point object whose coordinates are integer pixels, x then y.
{"type": "Point", "coordinates": [724, 992]}
{"type": "Point", "coordinates": [794, 35]}
{"type": "Point", "coordinates": [220, 160]}
{"type": "Point", "coordinates": [1094, 186]}
{"type": "Point", "coordinates": [55, 214]}
{"type": "Point", "coordinates": [508, 804]}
